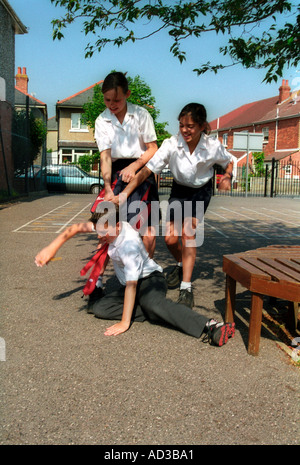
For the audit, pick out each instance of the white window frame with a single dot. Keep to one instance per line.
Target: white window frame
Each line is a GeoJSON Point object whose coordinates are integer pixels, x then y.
{"type": "Point", "coordinates": [225, 139]}
{"type": "Point", "coordinates": [265, 132]}
{"type": "Point", "coordinates": [77, 126]}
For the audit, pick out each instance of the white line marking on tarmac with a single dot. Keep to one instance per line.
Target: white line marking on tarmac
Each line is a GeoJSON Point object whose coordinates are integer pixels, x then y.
{"type": "Point", "coordinates": [268, 216]}
{"type": "Point", "coordinates": [290, 234]}
{"type": "Point", "coordinates": [61, 206]}
{"type": "Point", "coordinates": [217, 230]}
{"type": "Point", "coordinates": [68, 222]}
{"type": "Point", "coordinates": [286, 209]}
{"type": "Point", "coordinates": [237, 224]}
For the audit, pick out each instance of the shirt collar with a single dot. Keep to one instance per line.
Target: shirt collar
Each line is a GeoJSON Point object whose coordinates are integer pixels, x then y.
{"type": "Point", "coordinates": [118, 239]}
{"type": "Point", "coordinates": [201, 144]}
{"type": "Point", "coordinates": [130, 108]}
{"type": "Point", "coordinates": [108, 116]}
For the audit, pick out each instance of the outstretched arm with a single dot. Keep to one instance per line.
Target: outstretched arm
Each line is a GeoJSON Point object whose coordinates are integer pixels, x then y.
{"type": "Point", "coordinates": [46, 254]}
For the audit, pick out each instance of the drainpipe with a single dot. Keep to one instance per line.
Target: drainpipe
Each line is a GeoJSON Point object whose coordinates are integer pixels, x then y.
{"type": "Point", "coordinates": [58, 128]}
{"type": "Point", "coordinates": [276, 129]}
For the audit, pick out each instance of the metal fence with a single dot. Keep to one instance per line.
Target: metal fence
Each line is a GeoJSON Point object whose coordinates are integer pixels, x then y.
{"type": "Point", "coordinates": [278, 179]}
{"type": "Point", "coordinates": [28, 176]}
{"type": "Point", "coordinates": [29, 155]}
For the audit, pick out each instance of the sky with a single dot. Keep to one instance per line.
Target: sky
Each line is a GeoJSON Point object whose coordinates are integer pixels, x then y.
{"type": "Point", "coordinates": [58, 69]}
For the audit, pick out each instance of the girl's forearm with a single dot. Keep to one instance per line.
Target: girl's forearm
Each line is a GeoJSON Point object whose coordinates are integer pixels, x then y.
{"type": "Point", "coordinates": [129, 300]}
{"type": "Point", "coordinates": [106, 166]}
{"type": "Point", "coordinates": [147, 155]}
{"type": "Point", "coordinates": [137, 180]}
{"type": "Point", "coordinates": [229, 169]}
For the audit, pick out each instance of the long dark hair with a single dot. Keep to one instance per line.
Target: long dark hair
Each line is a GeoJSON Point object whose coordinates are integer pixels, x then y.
{"type": "Point", "coordinates": [198, 114]}
{"type": "Point", "coordinates": [114, 80]}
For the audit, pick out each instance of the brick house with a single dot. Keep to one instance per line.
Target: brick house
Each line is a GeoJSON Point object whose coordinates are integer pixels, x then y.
{"type": "Point", "coordinates": [38, 107]}
{"type": "Point", "coordinates": [73, 137]}
{"type": "Point", "coordinates": [35, 106]}
{"type": "Point", "coordinates": [278, 118]}
{"type": "Point", "coordinates": [10, 25]}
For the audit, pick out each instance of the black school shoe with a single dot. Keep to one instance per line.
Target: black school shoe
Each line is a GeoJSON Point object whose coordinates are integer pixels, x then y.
{"type": "Point", "coordinates": [186, 297]}
{"type": "Point", "coordinates": [219, 333]}
{"type": "Point", "coordinates": [174, 278]}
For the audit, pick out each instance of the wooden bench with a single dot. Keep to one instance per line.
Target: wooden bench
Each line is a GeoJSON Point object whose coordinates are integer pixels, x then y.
{"type": "Point", "coordinates": [270, 271]}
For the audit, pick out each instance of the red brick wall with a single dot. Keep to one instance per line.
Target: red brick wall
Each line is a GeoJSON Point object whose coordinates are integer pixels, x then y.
{"type": "Point", "coordinates": [287, 135]}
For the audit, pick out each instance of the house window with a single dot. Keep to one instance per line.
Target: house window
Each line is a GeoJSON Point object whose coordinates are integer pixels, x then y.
{"type": "Point", "coordinates": [76, 123]}
{"type": "Point", "coordinates": [66, 155]}
{"type": "Point", "coordinates": [82, 152]}
{"type": "Point", "coordinates": [67, 159]}
{"type": "Point", "coordinates": [225, 139]}
{"type": "Point", "coordinates": [265, 132]}
{"type": "Point", "coordinates": [288, 171]}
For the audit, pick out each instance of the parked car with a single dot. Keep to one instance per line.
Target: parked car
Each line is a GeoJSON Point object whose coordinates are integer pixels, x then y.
{"type": "Point", "coordinates": [71, 178]}
{"type": "Point", "coordinates": [31, 173]}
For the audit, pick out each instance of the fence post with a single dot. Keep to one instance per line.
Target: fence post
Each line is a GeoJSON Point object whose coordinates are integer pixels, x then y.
{"type": "Point", "coordinates": [266, 180]}
{"type": "Point", "coordinates": [4, 163]}
{"type": "Point", "coordinates": [27, 146]}
{"type": "Point", "coordinates": [99, 176]}
{"type": "Point", "coordinates": [214, 182]}
{"type": "Point", "coordinates": [272, 177]}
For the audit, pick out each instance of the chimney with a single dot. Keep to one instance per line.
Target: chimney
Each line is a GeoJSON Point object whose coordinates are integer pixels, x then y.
{"type": "Point", "coordinates": [22, 80]}
{"type": "Point", "coordinates": [284, 90]}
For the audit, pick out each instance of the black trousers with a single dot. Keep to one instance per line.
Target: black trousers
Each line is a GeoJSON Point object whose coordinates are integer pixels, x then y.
{"type": "Point", "coordinates": [151, 304]}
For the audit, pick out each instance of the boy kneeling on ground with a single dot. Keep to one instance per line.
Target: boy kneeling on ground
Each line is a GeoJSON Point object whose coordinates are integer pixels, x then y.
{"type": "Point", "coordinates": [142, 294]}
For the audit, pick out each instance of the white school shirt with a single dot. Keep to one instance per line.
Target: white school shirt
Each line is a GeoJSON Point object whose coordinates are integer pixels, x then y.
{"type": "Point", "coordinates": [129, 256]}
{"type": "Point", "coordinates": [193, 170]}
{"type": "Point", "coordinates": [126, 140]}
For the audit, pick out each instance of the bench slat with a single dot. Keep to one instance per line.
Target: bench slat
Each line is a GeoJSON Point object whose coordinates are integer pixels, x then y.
{"type": "Point", "coordinates": [274, 253]}
{"type": "Point", "coordinates": [287, 273]}
{"type": "Point", "coordinates": [266, 268]}
{"type": "Point", "coordinates": [290, 264]}
{"type": "Point", "coordinates": [233, 261]}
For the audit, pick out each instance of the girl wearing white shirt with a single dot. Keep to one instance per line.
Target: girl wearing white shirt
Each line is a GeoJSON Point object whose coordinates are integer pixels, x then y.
{"type": "Point", "coordinates": [126, 139]}
{"type": "Point", "coordinates": [191, 156]}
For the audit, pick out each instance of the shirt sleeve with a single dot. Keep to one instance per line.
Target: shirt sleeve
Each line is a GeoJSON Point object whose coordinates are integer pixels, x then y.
{"type": "Point", "coordinates": [102, 136]}
{"type": "Point", "coordinates": [133, 263]}
{"type": "Point", "coordinates": [161, 158]}
{"type": "Point", "coordinates": [146, 125]}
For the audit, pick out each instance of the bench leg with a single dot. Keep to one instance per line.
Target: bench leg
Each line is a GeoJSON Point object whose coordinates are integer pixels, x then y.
{"type": "Point", "coordinates": [255, 323]}
{"type": "Point", "coordinates": [293, 310]}
{"type": "Point", "coordinates": [230, 299]}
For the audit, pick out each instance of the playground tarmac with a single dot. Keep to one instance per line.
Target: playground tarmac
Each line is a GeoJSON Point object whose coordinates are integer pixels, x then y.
{"type": "Point", "coordinates": [64, 383]}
